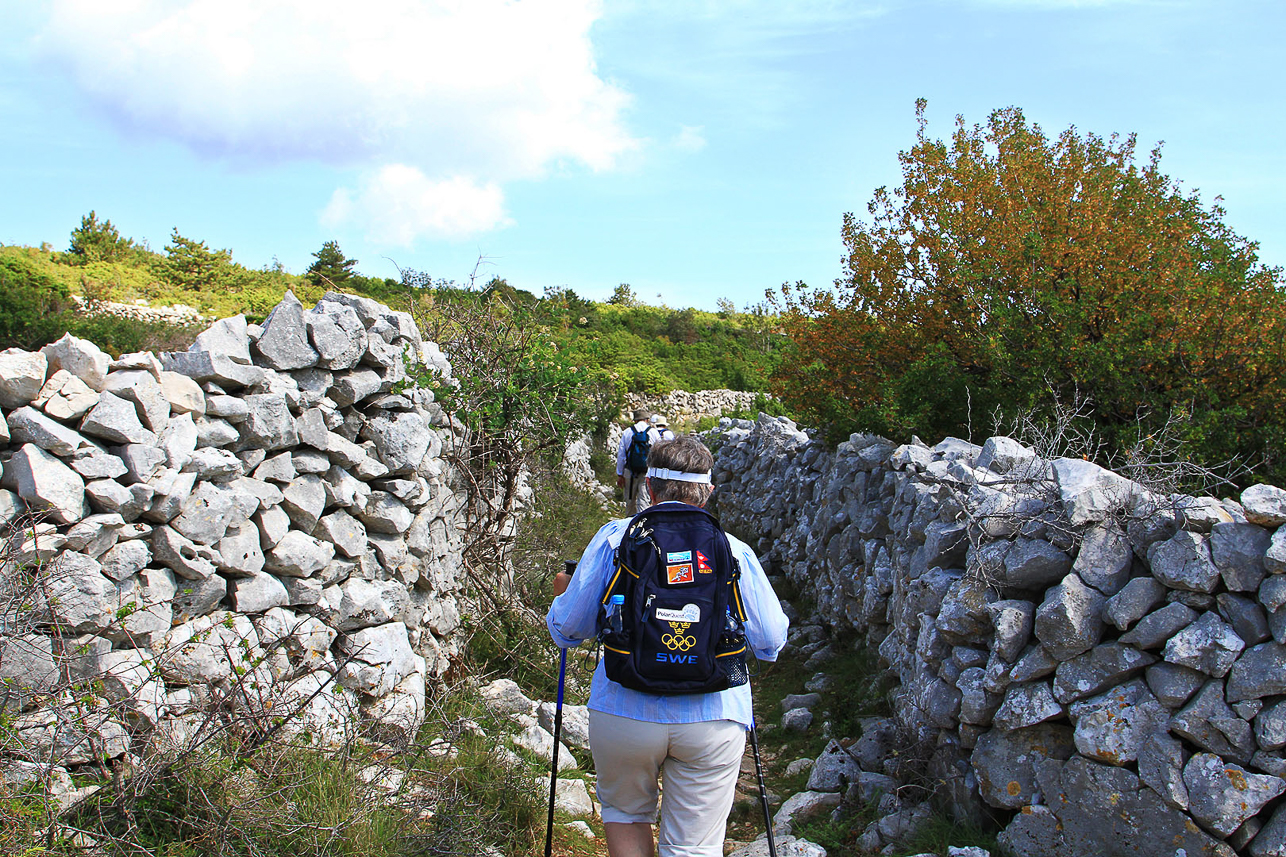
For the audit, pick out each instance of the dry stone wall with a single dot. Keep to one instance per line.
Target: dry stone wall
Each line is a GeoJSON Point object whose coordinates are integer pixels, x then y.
{"type": "Point", "coordinates": [267, 514]}
{"type": "Point", "coordinates": [1099, 669]}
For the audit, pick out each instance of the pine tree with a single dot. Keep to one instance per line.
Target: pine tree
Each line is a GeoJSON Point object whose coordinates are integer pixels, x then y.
{"type": "Point", "coordinates": [331, 268]}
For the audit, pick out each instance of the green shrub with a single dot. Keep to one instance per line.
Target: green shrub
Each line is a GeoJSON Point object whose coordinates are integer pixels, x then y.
{"type": "Point", "coordinates": [33, 306]}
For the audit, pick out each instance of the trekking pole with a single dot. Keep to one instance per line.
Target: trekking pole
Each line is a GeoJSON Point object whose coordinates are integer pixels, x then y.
{"type": "Point", "coordinates": [569, 567]}
{"type": "Point", "coordinates": [763, 791]}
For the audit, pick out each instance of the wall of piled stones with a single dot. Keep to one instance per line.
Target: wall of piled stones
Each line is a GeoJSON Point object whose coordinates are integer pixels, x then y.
{"type": "Point", "coordinates": [1098, 669]}
{"type": "Point", "coordinates": [266, 512]}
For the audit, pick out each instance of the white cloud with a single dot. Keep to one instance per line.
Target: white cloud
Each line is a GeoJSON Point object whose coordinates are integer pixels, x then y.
{"type": "Point", "coordinates": [494, 90]}
{"type": "Point", "coordinates": [399, 204]}
{"type": "Point", "coordinates": [690, 139]}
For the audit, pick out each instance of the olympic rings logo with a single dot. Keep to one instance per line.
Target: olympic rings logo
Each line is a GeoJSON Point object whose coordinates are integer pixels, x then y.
{"type": "Point", "coordinates": [678, 642]}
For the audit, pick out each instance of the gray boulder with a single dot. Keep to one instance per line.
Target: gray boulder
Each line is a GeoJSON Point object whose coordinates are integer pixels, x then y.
{"type": "Point", "coordinates": [77, 595]}
{"type": "Point", "coordinates": [1113, 726]}
{"type": "Point", "coordinates": [1104, 558]}
{"type": "Point", "coordinates": [80, 357]}
{"type": "Point", "coordinates": [184, 557]}
{"type": "Point", "coordinates": [1134, 601]}
{"type": "Point", "coordinates": [115, 419]}
{"type": "Point", "coordinates": [1259, 672]}
{"type": "Point", "coordinates": [1238, 552]}
{"type": "Point", "coordinates": [1026, 705]}
{"type": "Point", "coordinates": [1004, 762]}
{"type": "Point", "coordinates": [28, 425]}
{"type": "Point", "coordinates": [1208, 722]}
{"type": "Point", "coordinates": [376, 659]}
{"type": "Point", "coordinates": [1098, 669]}
{"type": "Point", "coordinates": [22, 374]}
{"type": "Point", "coordinates": [1223, 795]}
{"type": "Point", "coordinates": [833, 770]}
{"type": "Point", "coordinates": [1183, 562]}
{"type": "Point", "coordinates": [401, 439]}
{"type": "Point", "coordinates": [1264, 504]}
{"type": "Point", "coordinates": [1161, 761]}
{"type": "Point", "coordinates": [338, 335]}
{"type": "Point", "coordinates": [144, 390]}
{"type": "Point", "coordinates": [1172, 684]}
{"type": "Point", "coordinates": [1088, 492]}
{"type": "Point", "coordinates": [47, 485]}
{"type": "Point", "coordinates": [256, 593]}
{"type": "Point", "coordinates": [1208, 644]}
{"type": "Point", "coordinates": [1070, 621]}
{"type": "Point", "coordinates": [1159, 626]}
{"type": "Point", "coordinates": [298, 554]}
{"type": "Point", "coordinates": [284, 345]}
{"type": "Point", "coordinates": [269, 424]}
{"type": "Point", "coordinates": [228, 337]}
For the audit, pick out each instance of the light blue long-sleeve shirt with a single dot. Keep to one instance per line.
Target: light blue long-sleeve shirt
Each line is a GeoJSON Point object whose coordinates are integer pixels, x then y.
{"type": "Point", "coordinates": [573, 618]}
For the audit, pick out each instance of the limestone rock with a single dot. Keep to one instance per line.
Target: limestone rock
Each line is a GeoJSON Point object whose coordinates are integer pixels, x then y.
{"type": "Point", "coordinates": [1183, 562]}
{"type": "Point", "coordinates": [299, 555]}
{"type": "Point", "coordinates": [1264, 504]}
{"type": "Point", "coordinates": [284, 345]}
{"type": "Point", "coordinates": [1098, 669]}
{"type": "Point", "coordinates": [1004, 762]}
{"type": "Point", "coordinates": [81, 358]}
{"type": "Point", "coordinates": [1134, 601]}
{"type": "Point", "coordinates": [46, 484]}
{"type": "Point", "coordinates": [22, 374]}
{"type": "Point", "coordinates": [1209, 645]}
{"type": "Point", "coordinates": [1223, 795]}
{"type": "Point", "coordinates": [1238, 552]}
{"type": "Point", "coordinates": [1070, 621]}
{"type": "Point", "coordinates": [115, 419]}
{"type": "Point", "coordinates": [378, 658]}
{"type": "Point", "coordinates": [1026, 705]}
{"type": "Point", "coordinates": [28, 425]}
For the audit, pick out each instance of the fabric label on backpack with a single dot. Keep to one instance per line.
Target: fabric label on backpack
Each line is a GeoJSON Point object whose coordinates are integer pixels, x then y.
{"type": "Point", "coordinates": [680, 556]}
{"type": "Point", "coordinates": [676, 574]}
{"type": "Point", "coordinates": [703, 564]}
{"type": "Point", "coordinates": [689, 613]}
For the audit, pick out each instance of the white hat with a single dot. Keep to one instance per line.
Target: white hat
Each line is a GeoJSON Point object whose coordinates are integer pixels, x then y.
{"type": "Point", "coordinates": [659, 420]}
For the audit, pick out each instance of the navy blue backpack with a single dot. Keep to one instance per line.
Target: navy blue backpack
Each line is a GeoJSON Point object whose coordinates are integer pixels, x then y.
{"type": "Point", "coordinates": [683, 624]}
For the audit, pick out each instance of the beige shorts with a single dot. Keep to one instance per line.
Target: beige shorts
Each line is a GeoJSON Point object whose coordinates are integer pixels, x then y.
{"type": "Point", "coordinates": [700, 763]}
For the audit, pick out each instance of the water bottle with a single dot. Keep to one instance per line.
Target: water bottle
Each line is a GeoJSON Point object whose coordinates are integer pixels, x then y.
{"type": "Point", "coordinates": [615, 621]}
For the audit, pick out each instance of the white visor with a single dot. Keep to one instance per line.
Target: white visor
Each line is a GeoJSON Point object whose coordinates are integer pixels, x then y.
{"type": "Point", "coordinates": [678, 475]}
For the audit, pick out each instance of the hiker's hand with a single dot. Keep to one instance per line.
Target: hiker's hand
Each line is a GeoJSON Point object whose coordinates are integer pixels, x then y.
{"type": "Point", "coordinates": [620, 481]}
{"type": "Point", "coordinates": [561, 581]}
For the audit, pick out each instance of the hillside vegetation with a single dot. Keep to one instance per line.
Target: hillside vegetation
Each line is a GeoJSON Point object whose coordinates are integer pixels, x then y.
{"type": "Point", "coordinates": [640, 348]}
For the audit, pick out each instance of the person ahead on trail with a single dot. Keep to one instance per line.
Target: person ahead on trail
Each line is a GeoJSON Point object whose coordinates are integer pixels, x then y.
{"type": "Point", "coordinates": [684, 576]}
{"type": "Point", "coordinates": [631, 461]}
{"type": "Point", "coordinates": [661, 428]}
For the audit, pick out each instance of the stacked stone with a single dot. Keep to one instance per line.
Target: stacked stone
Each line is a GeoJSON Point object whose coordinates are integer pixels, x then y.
{"type": "Point", "coordinates": [1105, 664]}
{"type": "Point", "coordinates": [140, 310]}
{"type": "Point", "coordinates": [681, 405]}
{"type": "Point", "coordinates": [271, 500]}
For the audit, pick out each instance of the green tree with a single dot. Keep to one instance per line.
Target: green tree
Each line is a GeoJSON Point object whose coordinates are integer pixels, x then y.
{"type": "Point", "coordinates": [93, 241]}
{"type": "Point", "coordinates": [193, 266]}
{"type": "Point", "coordinates": [1009, 270]}
{"type": "Point", "coordinates": [330, 268]}
{"type": "Point", "coordinates": [623, 295]}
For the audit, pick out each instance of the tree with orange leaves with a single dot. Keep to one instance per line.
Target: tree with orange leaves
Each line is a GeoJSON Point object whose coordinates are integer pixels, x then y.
{"type": "Point", "coordinates": [1010, 270]}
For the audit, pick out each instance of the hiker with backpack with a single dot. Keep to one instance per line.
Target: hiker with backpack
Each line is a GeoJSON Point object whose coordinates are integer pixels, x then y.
{"type": "Point", "coordinates": [661, 428]}
{"type": "Point", "coordinates": [677, 604]}
{"type": "Point", "coordinates": [631, 461]}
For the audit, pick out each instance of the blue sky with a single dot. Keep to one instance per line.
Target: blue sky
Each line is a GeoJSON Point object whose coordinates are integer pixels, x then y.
{"type": "Point", "coordinates": [696, 150]}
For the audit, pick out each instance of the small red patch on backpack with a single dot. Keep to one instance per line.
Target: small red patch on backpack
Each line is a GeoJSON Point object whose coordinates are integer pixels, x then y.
{"type": "Point", "coordinates": [703, 564]}
{"type": "Point", "coordinates": [679, 573]}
